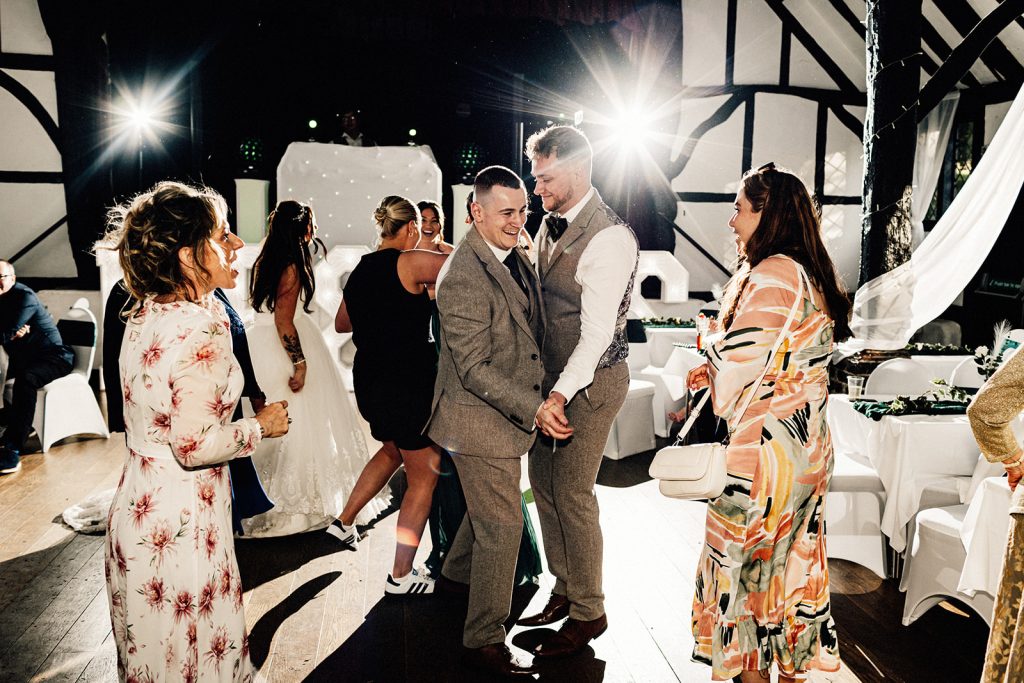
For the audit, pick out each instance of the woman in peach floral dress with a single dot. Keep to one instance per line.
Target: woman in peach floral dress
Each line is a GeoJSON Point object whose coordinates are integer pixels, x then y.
{"type": "Point", "coordinates": [762, 594]}
{"type": "Point", "coordinates": [172, 579]}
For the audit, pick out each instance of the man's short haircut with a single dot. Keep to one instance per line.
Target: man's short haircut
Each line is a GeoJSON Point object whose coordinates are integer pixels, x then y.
{"type": "Point", "coordinates": [495, 175]}
{"type": "Point", "coordinates": [561, 142]}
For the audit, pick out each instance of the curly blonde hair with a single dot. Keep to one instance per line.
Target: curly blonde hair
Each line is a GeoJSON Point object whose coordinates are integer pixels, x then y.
{"type": "Point", "coordinates": [149, 230]}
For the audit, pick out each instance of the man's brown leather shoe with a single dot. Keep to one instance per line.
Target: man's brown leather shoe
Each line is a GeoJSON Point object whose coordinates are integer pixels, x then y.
{"type": "Point", "coordinates": [498, 660]}
{"type": "Point", "coordinates": [556, 610]}
{"type": "Point", "coordinates": [571, 638]}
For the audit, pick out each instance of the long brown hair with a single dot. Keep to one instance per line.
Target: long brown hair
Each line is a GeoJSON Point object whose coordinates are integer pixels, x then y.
{"type": "Point", "coordinates": [285, 246]}
{"type": "Point", "coordinates": [790, 225]}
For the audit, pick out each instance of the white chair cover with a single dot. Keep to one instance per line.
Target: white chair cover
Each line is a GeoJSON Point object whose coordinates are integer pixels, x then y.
{"type": "Point", "coordinates": [900, 376]}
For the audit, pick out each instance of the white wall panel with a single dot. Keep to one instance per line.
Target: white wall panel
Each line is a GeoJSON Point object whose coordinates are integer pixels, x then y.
{"type": "Point", "coordinates": [835, 36]}
{"type": "Point", "coordinates": [21, 28]}
{"type": "Point", "coordinates": [840, 226]}
{"type": "Point", "coordinates": [758, 44]}
{"type": "Point", "coordinates": [717, 158]}
{"type": "Point", "coordinates": [784, 132]}
{"type": "Point", "coordinates": [805, 71]}
{"type": "Point", "coordinates": [26, 209]}
{"type": "Point", "coordinates": [708, 224]}
{"type": "Point", "coordinates": [41, 85]}
{"type": "Point", "coordinates": [704, 42]}
{"type": "Point", "coordinates": [24, 144]}
{"type": "Point", "coordinates": [994, 115]}
{"type": "Point", "coordinates": [844, 157]}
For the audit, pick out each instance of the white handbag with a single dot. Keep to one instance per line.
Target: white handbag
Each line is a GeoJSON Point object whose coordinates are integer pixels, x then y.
{"type": "Point", "coordinates": [698, 471]}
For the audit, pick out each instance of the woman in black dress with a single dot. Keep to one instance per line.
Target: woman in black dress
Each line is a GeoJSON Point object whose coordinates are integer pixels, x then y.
{"type": "Point", "coordinates": [387, 308]}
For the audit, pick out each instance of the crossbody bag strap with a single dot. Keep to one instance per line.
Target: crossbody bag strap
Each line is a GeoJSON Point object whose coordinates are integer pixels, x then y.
{"type": "Point", "coordinates": [801, 277]}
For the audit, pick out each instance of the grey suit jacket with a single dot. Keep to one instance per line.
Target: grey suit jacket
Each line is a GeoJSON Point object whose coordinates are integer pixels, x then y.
{"type": "Point", "coordinates": [489, 375]}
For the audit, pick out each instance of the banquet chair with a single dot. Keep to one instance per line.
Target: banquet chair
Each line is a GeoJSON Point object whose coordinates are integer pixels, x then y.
{"type": "Point", "coordinates": [945, 492]}
{"type": "Point", "coordinates": [632, 431]}
{"type": "Point", "coordinates": [67, 406]}
{"type": "Point", "coordinates": [899, 376]}
{"type": "Point", "coordinates": [966, 375]}
{"type": "Point", "coordinates": [853, 514]}
{"type": "Point", "coordinates": [936, 560]}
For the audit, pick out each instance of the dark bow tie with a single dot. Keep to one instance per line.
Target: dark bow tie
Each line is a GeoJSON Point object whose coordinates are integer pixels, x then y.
{"type": "Point", "coordinates": [556, 226]}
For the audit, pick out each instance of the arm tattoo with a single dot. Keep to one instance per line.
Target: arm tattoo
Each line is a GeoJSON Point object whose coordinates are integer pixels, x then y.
{"type": "Point", "coordinates": [293, 347]}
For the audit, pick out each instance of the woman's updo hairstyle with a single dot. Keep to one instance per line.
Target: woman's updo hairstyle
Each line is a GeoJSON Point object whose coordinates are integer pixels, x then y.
{"type": "Point", "coordinates": [150, 229]}
{"type": "Point", "coordinates": [393, 214]}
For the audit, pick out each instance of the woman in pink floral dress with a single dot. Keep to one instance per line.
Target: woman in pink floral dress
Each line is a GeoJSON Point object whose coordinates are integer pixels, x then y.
{"type": "Point", "coordinates": [762, 597]}
{"type": "Point", "coordinates": [172, 579]}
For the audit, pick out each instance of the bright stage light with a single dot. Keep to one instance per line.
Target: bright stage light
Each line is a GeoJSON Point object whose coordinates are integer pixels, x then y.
{"type": "Point", "coordinates": [312, 123]}
{"type": "Point", "coordinates": [139, 117]}
{"type": "Point", "coordinates": [631, 129]}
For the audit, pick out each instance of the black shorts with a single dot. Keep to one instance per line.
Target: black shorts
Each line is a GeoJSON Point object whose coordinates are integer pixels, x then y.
{"type": "Point", "coordinates": [395, 412]}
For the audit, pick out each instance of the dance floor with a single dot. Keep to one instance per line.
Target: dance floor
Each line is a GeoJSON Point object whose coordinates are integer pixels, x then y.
{"type": "Point", "coordinates": [317, 613]}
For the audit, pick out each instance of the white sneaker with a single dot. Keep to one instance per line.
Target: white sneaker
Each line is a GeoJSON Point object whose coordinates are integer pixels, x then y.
{"type": "Point", "coordinates": [412, 583]}
{"type": "Point", "coordinates": [346, 534]}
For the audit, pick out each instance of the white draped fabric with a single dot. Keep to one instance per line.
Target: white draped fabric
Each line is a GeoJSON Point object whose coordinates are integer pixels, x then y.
{"type": "Point", "coordinates": [932, 140]}
{"type": "Point", "coordinates": [890, 308]}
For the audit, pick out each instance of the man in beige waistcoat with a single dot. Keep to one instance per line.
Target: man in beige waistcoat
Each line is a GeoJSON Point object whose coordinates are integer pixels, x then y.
{"type": "Point", "coordinates": [586, 261]}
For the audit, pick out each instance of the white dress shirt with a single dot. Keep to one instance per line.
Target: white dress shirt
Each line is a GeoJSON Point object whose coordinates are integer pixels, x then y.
{"type": "Point", "coordinates": [603, 271]}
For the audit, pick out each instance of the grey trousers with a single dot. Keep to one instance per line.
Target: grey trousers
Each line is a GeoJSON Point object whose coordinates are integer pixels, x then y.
{"type": "Point", "coordinates": [563, 482]}
{"type": "Point", "coordinates": [486, 548]}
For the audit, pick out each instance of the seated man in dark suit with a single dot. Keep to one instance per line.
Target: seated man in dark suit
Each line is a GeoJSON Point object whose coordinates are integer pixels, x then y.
{"type": "Point", "coordinates": [37, 356]}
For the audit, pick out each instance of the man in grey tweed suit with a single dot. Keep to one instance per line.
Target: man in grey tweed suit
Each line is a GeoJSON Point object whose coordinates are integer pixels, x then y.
{"type": "Point", "coordinates": [486, 398]}
{"type": "Point", "coordinates": [587, 261]}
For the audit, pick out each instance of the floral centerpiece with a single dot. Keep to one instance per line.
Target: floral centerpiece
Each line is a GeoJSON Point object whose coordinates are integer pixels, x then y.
{"type": "Point", "coordinates": [668, 322]}
{"type": "Point", "coordinates": [988, 359]}
{"type": "Point", "coordinates": [933, 349]}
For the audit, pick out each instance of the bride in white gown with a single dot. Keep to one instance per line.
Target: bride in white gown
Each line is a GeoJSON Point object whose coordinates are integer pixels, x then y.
{"type": "Point", "coordinates": [311, 471]}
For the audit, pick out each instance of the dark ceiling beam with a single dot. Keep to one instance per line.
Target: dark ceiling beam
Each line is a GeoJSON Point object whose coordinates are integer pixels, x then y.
{"type": "Point", "coordinates": [1019, 20]}
{"type": "Point", "coordinates": [790, 22]}
{"type": "Point", "coordinates": [993, 54]}
{"type": "Point", "coordinates": [941, 48]}
{"type": "Point", "coordinates": [830, 97]}
{"type": "Point", "coordinates": [977, 42]}
{"type": "Point", "coordinates": [16, 60]}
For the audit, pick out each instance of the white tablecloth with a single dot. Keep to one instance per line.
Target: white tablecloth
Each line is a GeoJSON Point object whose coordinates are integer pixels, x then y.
{"type": "Point", "coordinates": [661, 341]}
{"type": "Point", "coordinates": [984, 531]}
{"type": "Point", "coordinates": [909, 452]}
{"type": "Point", "coordinates": [940, 367]}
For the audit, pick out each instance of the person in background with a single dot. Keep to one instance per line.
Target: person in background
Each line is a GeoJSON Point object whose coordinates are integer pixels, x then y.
{"type": "Point", "coordinates": [586, 258]}
{"type": "Point", "coordinates": [992, 412]}
{"type": "Point", "coordinates": [174, 590]}
{"type": "Point", "coordinates": [448, 506]}
{"type": "Point", "coordinates": [762, 597]}
{"type": "Point", "coordinates": [486, 395]}
{"type": "Point", "coordinates": [36, 356]}
{"type": "Point", "coordinates": [310, 472]}
{"type": "Point", "coordinates": [387, 308]}
{"type": "Point", "coordinates": [352, 130]}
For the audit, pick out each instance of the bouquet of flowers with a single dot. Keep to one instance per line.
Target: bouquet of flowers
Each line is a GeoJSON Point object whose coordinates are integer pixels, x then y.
{"type": "Point", "coordinates": [988, 359]}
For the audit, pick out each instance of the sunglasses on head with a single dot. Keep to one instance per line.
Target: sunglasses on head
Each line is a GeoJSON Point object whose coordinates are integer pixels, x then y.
{"type": "Point", "coordinates": [770, 166]}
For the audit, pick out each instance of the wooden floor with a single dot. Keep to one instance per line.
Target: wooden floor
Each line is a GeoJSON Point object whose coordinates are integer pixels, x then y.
{"type": "Point", "coordinates": [316, 613]}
